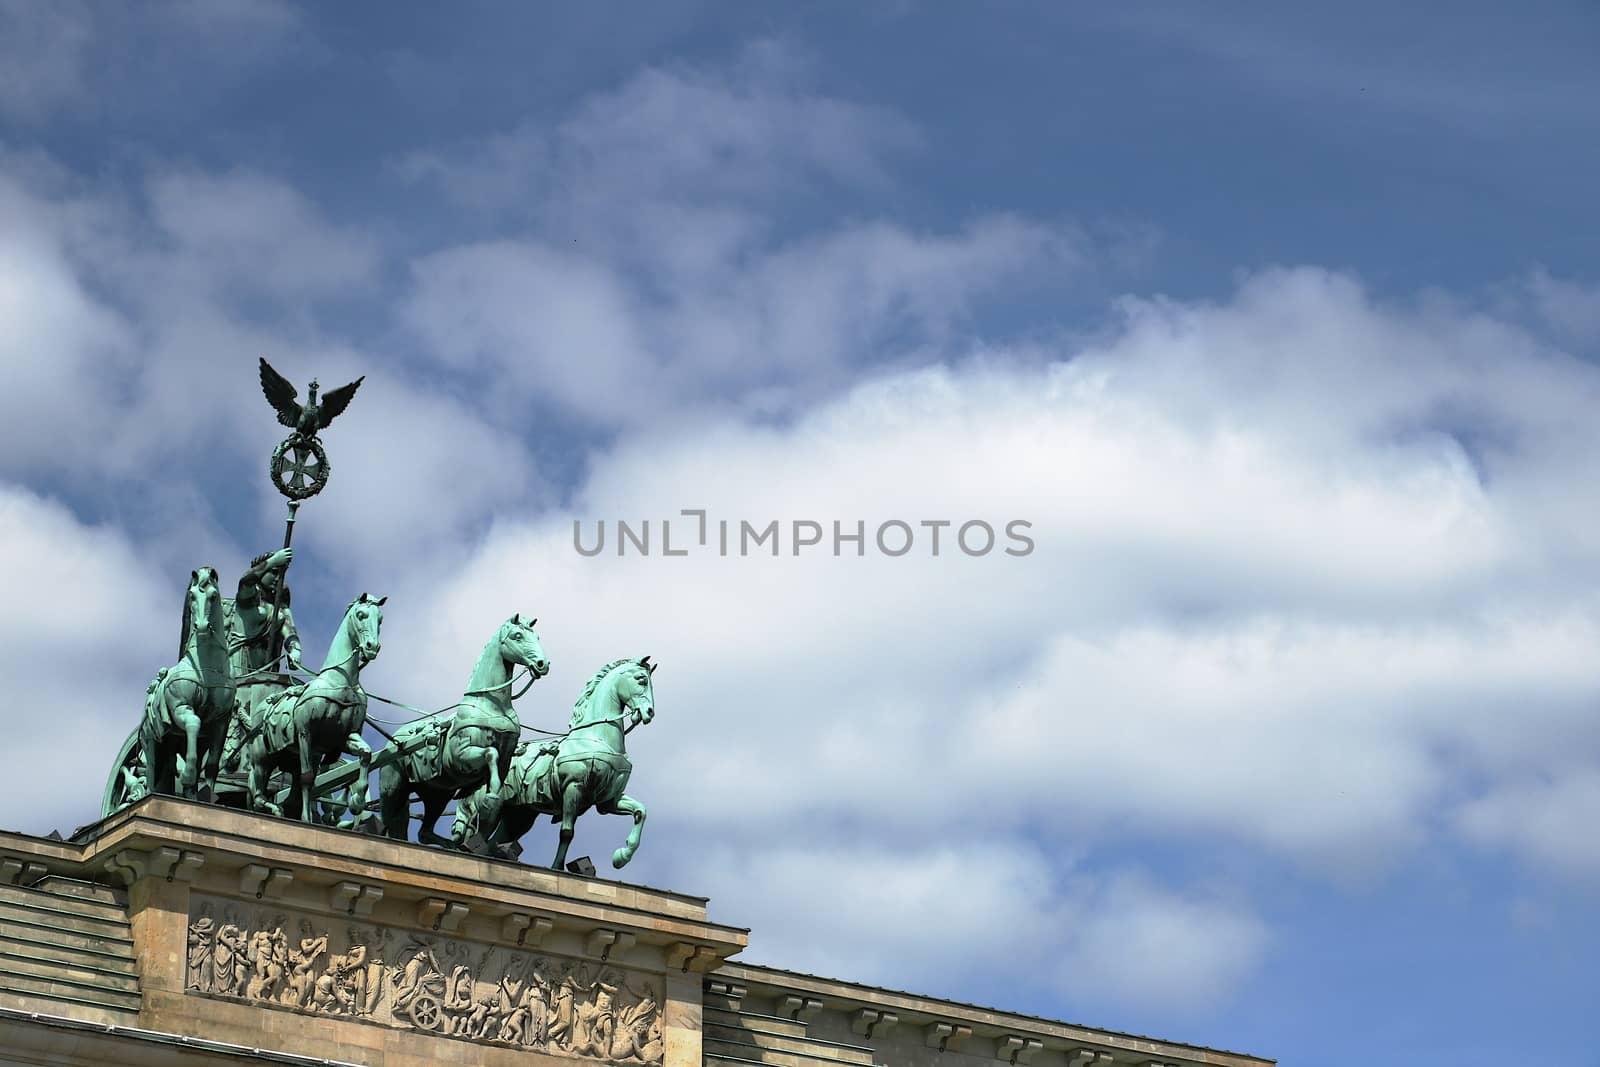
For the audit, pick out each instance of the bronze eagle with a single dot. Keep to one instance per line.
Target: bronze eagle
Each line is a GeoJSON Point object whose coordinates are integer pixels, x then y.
{"type": "Point", "coordinates": [305, 419]}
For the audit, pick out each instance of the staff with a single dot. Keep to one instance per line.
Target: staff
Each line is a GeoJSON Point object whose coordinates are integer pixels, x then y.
{"type": "Point", "coordinates": [300, 464]}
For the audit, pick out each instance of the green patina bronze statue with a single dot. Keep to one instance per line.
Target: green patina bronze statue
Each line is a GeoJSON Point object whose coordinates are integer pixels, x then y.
{"type": "Point", "coordinates": [306, 727]}
{"type": "Point", "coordinates": [262, 633]}
{"type": "Point", "coordinates": [188, 705]}
{"type": "Point", "coordinates": [229, 723]}
{"type": "Point", "coordinates": [299, 467]}
{"type": "Point", "coordinates": [588, 767]}
{"type": "Point", "coordinates": [472, 748]}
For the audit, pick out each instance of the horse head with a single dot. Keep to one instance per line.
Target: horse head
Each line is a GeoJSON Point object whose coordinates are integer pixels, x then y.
{"type": "Point", "coordinates": [361, 624]}
{"type": "Point", "coordinates": [202, 606]}
{"type": "Point", "coordinates": [634, 690]}
{"type": "Point", "coordinates": [519, 644]}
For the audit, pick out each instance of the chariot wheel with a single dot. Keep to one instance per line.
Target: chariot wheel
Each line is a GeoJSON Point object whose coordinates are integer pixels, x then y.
{"type": "Point", "coordinates": [426, 1013]}
{"type": "Point", "coordinates": [130, 758]}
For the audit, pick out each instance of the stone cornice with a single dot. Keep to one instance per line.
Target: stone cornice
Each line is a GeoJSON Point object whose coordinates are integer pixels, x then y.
{"type": "Point", "coordinates": [345, 873]}
{"type": "Point", "coordinates": [1018, 1038]}
{"type": "Point", "coordinates": [38, 1034]}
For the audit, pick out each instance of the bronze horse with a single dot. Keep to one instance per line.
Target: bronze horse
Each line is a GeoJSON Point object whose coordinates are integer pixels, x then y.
{"type": "Point", "coordinates": [310, 725]}
{"type": "Point", "coordinates": [188, 706]}
{"type": "Point", "coordinates": [588, 767]}
{"type": "Point", "coordinates": [472, 748]}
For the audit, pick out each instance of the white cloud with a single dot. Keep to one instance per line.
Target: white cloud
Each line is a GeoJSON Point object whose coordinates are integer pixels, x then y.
{"type": "Point", "coordinates": [1053, 447]}
{"type": "Point", "coordinates": [132, 377]}
{"type": "Point", "coordinates": [676, 135]}
{"type": "Point", "coordinates": [751, 134]}
{"type": "Point", "coordinates": [898, 916]}
{"type": "Point", "coordinates": [1570, 308]}
{"type": "Point", "coordinates": [695, 292]}
{"type": "Point", "coordinates": [1137, 943]}
{"type": "Point", "coordinates": [262, 20]}
{"type": "Point", "coordinates": [257, 233]}
{"type": "Point", "coordinates": [774, 330]}
{"type": "Point", "coordinates": [412, 472]}
{"type": "Point", "coordinates": [1549, 820]}
{"type": "Point", "coordinates": [550, 323]}
{"type": "Point", "coordinates": [126, 359]}
{"type": "Point", "coordinates": [87, 624]}
{"type": "Point", "coordinates": [62, 350]}
{"type": "Point", "coordinates": [117, 354]}
{"type": "Point", "coordinates": [1307, 569]}
{"type": "Point", "coordinates": [1328, 742]}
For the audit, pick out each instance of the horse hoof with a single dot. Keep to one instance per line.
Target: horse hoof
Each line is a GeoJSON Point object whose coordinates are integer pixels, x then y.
{"type": "Point", "coordinates": [620, 858]}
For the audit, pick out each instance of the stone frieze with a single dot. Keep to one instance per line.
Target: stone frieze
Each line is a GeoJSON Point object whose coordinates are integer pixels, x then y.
{"type": "Point", "coordinates": [439, 985]}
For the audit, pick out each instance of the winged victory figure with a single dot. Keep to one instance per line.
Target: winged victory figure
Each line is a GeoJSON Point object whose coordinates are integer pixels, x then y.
{"type": "Point", "coordinates": [305, 419]}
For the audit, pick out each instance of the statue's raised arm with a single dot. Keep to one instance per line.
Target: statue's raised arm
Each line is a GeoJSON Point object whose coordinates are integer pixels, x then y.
{"type": "Point", "coordinates": [262, 616]}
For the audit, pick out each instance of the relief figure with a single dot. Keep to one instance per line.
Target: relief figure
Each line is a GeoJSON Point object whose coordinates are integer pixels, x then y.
{"type": "Point", "coordinates": [564, 1011]}
{"type": "Point", "coordinates": [228, 971]}
{"type": "Point", "coordinates": [342, 987]}
{"type": "Point", "coordinates": [201, 964]}
{"type": "Point", "coordinates": [515, 999]}
{"type": "Point", "coordinates": [634, 1040]}
{"type": "Point", "coordinates": [303, 967]}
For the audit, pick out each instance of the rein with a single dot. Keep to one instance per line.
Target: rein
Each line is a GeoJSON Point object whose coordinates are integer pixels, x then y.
{"type": "Point", "coordinates": [191, 658]}
{"type": "Point", "coordinates": [618, 721]}
{"type": "Point", "coordinates": [422, 714]}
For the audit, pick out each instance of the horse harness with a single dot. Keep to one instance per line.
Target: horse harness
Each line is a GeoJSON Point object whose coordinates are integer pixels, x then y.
{"type": "Point", "coordinates": [344, 697]}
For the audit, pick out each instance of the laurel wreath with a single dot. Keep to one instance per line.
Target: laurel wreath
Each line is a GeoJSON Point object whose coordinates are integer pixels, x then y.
{"type": "Point", "coordinates": [279, 468]}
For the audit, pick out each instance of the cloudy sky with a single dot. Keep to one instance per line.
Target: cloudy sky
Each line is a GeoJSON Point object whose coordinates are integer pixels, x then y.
{"type": "Point", "coordinates": [1279, 328]}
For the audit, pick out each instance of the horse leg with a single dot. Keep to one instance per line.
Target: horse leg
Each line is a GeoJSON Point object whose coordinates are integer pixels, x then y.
{"type": "Point", "coordinates": [150, 752]}
{"type": "Point", "coordinates": [466, 819]}
{"type": "Point", "coordinates": [188, 721]}
{"type": "Point", "coordinates": [308, 772]}
{"type": "Point", "coordinates": [571, 800]}
{"type": "Point", "coordinates": [213, 759]}
{"type": "Point", "coordinates": [626, 805]}
{"type": "Point", "coordinates": [433, 802]}
{"type": "Point", "coordinates": [513, 824]}
{"type": "Point", "coordinates": [255, 759]}
{"type": "Point", "coordinates": [488, 796]}
{"type": "Point", "coordinates": [394, 801]}
{"type": "Point", "coordinates": [356, 746]}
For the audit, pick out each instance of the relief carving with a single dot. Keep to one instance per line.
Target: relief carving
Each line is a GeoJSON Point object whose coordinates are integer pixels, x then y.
{"type": "Point", "coordinates": [200, 968]}
{"type": "Point", "coordinates": [437, 985]}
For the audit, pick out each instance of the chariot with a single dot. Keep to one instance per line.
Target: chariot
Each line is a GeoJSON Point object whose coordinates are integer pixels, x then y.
{"type": "Point", "coordinates": [331, 790]}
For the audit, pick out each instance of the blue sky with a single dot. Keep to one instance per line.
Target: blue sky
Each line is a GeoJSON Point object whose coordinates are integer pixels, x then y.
{"type": "Point", "coordinates": [1278, 325]}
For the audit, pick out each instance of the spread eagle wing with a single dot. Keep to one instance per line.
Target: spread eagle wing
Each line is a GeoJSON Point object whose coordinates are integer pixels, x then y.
{"type": "Point", "coordinates": [334, 401]}
{"type": "Point", "coordinates": [281, 395]}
